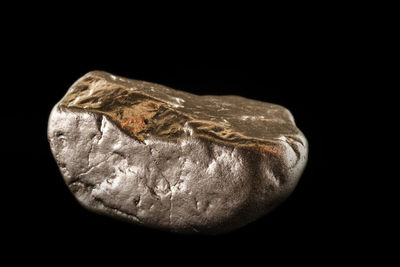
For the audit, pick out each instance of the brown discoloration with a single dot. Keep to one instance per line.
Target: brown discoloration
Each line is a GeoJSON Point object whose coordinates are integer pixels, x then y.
{"type": "Point", "coordinates": [265, 150]}
{"type": "Point", "coordinates": [136, 125]}
{"type": "Point", "coordinates": [141, 109]}
{"type": "Point", "coordinates": [154, 105]}
{"type": "Point", "coordinates": [126, 122]}
{"type": "Point", "coordinates": [137, 120]}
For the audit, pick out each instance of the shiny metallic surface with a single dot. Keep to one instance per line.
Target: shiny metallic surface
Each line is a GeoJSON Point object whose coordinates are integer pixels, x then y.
{"type": "Point", "coordinates": [172, 160]}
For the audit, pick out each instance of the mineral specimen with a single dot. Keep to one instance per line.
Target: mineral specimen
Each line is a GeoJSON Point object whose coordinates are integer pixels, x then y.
{"type": "Point", "coordinates": [172, 160]}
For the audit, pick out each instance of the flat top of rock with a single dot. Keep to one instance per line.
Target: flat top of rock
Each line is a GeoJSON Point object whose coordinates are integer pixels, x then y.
{"type": "Point", "coordinates": [144, 109]}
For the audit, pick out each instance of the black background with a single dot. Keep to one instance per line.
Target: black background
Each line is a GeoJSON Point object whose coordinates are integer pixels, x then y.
{"type": "Point", "coordinates": [315, 73]}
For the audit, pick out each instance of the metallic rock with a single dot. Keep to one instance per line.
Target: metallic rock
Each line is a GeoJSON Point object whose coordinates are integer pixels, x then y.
{"type": "Point", "coordinates": [172, 160]}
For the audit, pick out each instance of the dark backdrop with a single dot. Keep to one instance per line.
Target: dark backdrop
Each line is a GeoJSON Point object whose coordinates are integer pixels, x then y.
{"type": "Point", "coordinates": [310, 76]}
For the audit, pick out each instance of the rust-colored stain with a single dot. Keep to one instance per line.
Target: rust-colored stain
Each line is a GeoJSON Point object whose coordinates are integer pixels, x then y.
{"type": "Point", "coordinates": [126, 122]}
{"type": "Point", "coordinates": [154, 105]}
{"type": "Point", "coordinates": [268, 149]}
{"type": "Point", "coordinates": [134, 124]}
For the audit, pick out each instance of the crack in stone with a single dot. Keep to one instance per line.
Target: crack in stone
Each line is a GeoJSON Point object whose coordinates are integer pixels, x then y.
{"type": "Point", "coordinates": [92, 167]}
{"type": "Point", "coordinates": [100, 122]}
{"type": "Point", "coordinates": [90, 151]}
{"type": "Point", "coordinates": [179, 180]}
{"type": "Point", "coordinates": [153, 193]}
{"type": "Point", "coordinates": [87, 186]}
{"type": "Point", "coordinates": [295, 139]}
{"type": "Point", "coordinates": [116, 210]}
{"type": "Point", "coordinates": [170, 194]}
{"type": "Point", "coordinates": [196, 203]}
{"type": "Point", "coordinates": [291, 142]}
{"type": "Point", "coordinates": [137, 200]}
{"type": "Point", "coordinates": [116, 152]}
{"type": "Point", "coordinates": [100, 126]}
{"type": "Point", "coordinates": [168, 183]}
{"type": "Point", "coordinates": [170, 197]}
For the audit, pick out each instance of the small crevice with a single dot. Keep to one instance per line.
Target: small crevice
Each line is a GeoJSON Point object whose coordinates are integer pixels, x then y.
{"type": "Point", "coordinates": [90, 151]}
{"type": "Point", "coordinates": [87, 186]}
{"type": "Point", "coordinates": [116, 210]}
{"type": "Point", "coordinates": [136, 201]}
{"type": "Point", "coordinates": [180, 173]}
{"type": "Point", "coordinates": [153, 193]}
{"type": "Point", "coordinates": [90, 168]}
{"type": "Point", "coordinates": [290, 142]}
{"type": "Point", "coordinates": [294, 138]}
{"type": "Point", "coordinates": [119, 154]}
{"type": "Point", "coordinates": [168, 183]}
{"type": "Point", "coordinates": [196, 203]}
{"type": "Point", "coordinates": [100, 122]}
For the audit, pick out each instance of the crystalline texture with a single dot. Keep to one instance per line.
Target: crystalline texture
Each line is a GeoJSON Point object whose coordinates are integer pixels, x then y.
{"type": "Point", "coordinates": [172, 160]}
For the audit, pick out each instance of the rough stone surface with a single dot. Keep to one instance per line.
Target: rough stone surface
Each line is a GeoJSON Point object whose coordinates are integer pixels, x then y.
{"type": "Point", "coordinates": [172, 160]}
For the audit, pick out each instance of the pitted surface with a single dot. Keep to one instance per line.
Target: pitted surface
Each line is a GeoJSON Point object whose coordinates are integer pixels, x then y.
{"type": "Point", "coordinates": [173, 160]}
